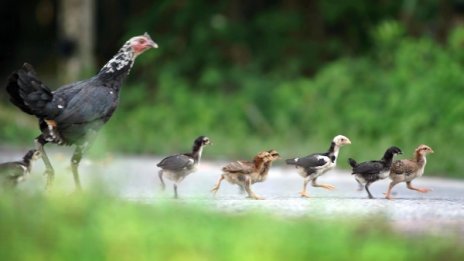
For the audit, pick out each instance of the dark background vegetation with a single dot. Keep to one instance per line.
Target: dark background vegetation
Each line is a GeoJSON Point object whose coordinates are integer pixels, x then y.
{"type": "Point", "coordinates": [256, 75]}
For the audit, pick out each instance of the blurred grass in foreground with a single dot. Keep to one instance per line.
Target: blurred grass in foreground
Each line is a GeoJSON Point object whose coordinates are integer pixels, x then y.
{"type": "Point", "coordinates": [85, 227]}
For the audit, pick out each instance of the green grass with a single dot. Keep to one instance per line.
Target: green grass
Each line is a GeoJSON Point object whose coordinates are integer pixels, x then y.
{"type": "Point", "coordinates": [89, 227]}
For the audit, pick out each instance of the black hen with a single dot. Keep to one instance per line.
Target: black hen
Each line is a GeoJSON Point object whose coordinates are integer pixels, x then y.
{"type": "Point", "coordinates": [73, 113]}
{"type": "Point", "coordinates": [13, 172]}
{"type": "Point", "coordinates": [369, 172]}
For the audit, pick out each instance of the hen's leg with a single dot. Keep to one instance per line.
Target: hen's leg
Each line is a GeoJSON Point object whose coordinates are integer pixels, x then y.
{"type": "Point", "coordinates": [49, 172]}
{"type": "Point", "coordinates": [218, 185]}
{"type": "Point", "coordinates": [326, 186]}
{"type": "Point", "coordinates": [75, 160]}
{"type": "Point", "coordinates": [303, 193]}
{"type": "Point", "coordinates": [421, 190]}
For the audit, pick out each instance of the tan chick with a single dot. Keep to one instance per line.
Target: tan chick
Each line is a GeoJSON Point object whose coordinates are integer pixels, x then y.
{"type": "Point", "coordinates": [246, 173]}
{"type": "Point", "coordinates": [408, 169]}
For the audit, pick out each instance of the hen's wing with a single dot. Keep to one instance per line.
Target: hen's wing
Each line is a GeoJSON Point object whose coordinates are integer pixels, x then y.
{"type": "Point", "coordinates": [85, 102]}
{"type": "Point", "coordinates": [76, 103]}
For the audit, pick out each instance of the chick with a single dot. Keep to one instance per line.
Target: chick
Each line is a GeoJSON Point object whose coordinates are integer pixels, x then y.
{"type": "Point", "coordinates": [313, 166]}
{"type": "Point", "coordinates": [264, 172]}
{"type": "Point", "coordinates": [177, 167]}
{"type": "Point", "coordinates": [408, 169]}
{"type": "Point", "coordinates": [246, 173]}
{"type": "Point", "coordinates": [11, 173]}
{"type": "Point", "coordinates": [369, 172]}
{"type": "Point", "coordinates": [262, 175]}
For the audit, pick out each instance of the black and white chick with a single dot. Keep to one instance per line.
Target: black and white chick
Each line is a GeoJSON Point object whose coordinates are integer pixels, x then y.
{"type": "Point", "coordinates": [11, 173]}
{"type": "Point", "coordinates": [177, 167]}
{"type": "Point", "coordinates": [313, 166]}
{"type": "Point", "coordinates": [369, 172]}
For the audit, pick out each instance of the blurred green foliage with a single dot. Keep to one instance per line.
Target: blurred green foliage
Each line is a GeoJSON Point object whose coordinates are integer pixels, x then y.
{"type": "Point", "coordinates": [89, 227]}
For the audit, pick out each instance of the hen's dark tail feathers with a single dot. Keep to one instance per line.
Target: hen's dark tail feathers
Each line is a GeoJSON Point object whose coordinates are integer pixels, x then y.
{"type": "Point", "coordinates": [27, 92]}
{"type": "Point", "coordinates": [352, 162]}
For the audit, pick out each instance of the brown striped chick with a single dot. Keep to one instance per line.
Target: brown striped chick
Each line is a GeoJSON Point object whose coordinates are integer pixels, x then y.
{"type": "Point", "coordinates": [245, 173]}
{"type": "Point", "coordinates": [408, 169]}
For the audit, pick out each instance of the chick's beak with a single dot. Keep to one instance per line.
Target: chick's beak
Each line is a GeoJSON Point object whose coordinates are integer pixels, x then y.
{"type": "Point", "coordinates": [348, 141]}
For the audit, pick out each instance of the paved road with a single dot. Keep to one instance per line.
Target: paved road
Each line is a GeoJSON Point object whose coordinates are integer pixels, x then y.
{"type": "Point", "coordinates": [135, 178]}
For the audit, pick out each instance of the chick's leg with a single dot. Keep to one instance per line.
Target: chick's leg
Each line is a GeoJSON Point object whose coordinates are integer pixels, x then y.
{"type": "Point", "coordinates": [241, 189]}
{"type": "Point", "coordinates": [388, 193]}
{"type": "Point", "coordinates": [49, 171]}
{"type": "Point", "coordinates": [326, 186]}
{"type": "Point", "coordinates": [160, 175]}
{"type": "Point", "coordinates": [360, 186]}
{"type": "Point", "coordinates": [218, 185]}
{"type": "Point", "coordinates": [175, 191]}
{"type": "Point", "coordinates": [303, 193]}
{"type": "Point", "coordinates": [367, 190]}
{"type": "Point", "coordinates": [421, 190]}
{"type": "Point", "coordinates": [251, 194]}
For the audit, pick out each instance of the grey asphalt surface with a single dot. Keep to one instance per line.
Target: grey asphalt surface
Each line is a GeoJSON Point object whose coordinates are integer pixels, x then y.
{"type": "Point", "coordinates": [135, 178]}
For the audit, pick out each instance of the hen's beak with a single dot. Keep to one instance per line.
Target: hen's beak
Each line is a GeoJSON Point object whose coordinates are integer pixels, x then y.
{"type": "Point", "coordinates": [150, 42]}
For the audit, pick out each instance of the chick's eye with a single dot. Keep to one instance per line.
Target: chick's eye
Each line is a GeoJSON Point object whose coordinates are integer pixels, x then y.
{"type": "Point", "coordinates": [141, 41]}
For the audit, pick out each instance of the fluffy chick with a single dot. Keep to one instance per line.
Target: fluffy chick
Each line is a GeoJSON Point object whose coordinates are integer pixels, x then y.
{"type": "Point", "coordinates": [369, 172]}
{"type": "Point", "coordinates": [11, 173]}
{"type": "Point", "coordinates": [313, 166]}
{"type": "Point", "coordinates": [246, 173]}
{"type": "Point", "coordinates": [179, 166]}
{"type": "Point", "coordinates": [408, 169]}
